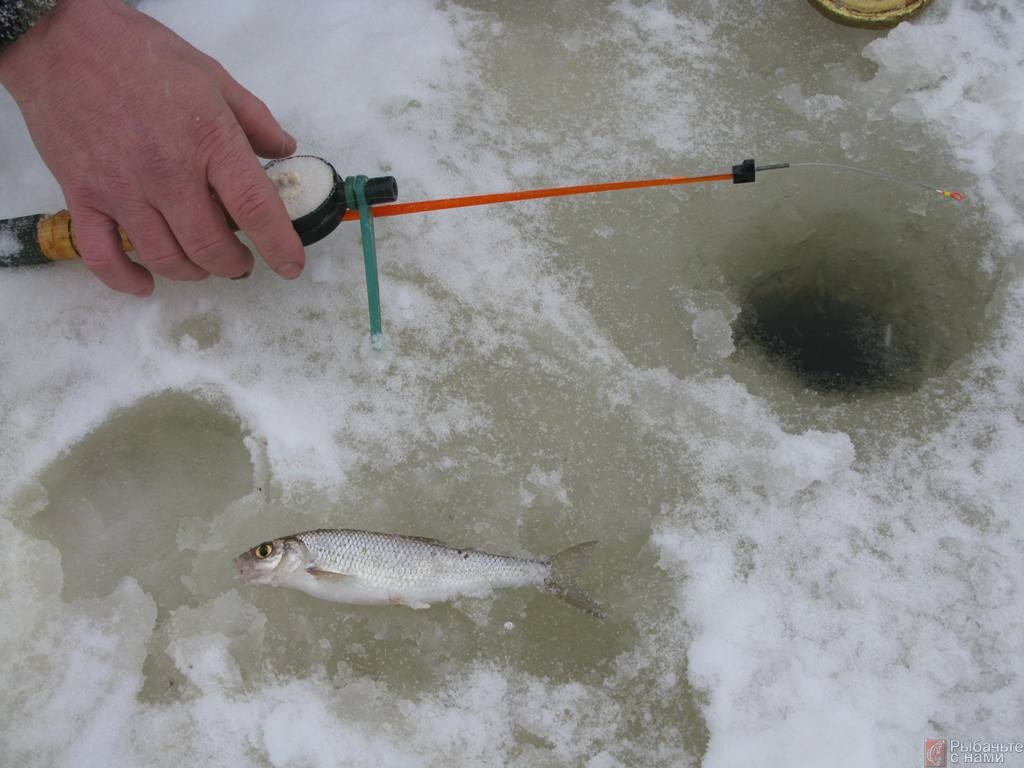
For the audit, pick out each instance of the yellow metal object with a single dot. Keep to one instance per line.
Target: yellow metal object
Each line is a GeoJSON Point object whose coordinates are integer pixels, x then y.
{"type": "Point", "coordinates": [56, 238]}
{"type": "Point", "coordinates": [874, 14]}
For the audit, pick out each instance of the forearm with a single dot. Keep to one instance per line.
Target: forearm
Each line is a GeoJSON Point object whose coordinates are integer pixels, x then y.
{"type": "Point", "coordinates": [35, 39]}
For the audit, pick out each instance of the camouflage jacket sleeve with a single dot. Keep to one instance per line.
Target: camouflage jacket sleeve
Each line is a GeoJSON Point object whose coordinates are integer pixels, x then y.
{"type": "Point", "coordinates": [16, 16]}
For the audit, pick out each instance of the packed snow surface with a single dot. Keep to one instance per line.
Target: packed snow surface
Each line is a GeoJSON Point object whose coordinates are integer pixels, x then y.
{"type": "Point", "coordinates": [794, 576]}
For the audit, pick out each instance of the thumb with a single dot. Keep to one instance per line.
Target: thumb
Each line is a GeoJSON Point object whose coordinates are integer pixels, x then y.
{"type": "Point", "coordinates": [265, 134]}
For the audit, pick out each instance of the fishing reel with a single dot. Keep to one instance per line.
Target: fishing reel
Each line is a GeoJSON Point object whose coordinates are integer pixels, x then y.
{"type": "Point", "coordinates": [316, 197]}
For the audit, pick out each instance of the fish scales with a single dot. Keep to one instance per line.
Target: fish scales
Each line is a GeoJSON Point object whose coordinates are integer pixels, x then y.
{"type": "Point", "coordinates": [388, 560]}
{"type": "Point", "coordinates": [370, 568]}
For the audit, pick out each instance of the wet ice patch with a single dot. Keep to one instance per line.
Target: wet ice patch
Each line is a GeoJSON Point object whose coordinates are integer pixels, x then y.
{"type": "Point", "coordinates": [543, 486]}
{"type": "Point", "coordinates": [818, 107]}
{"type": "Point", "coordinates": [713, 333]}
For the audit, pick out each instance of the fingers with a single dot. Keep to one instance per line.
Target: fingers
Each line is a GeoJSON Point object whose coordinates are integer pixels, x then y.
{"type": "Point", "coordinates": [201, 229]}
{"type": "Point", "coordinates": [265, 134]}
{"type": "Point", "coordinates": [156, 246]}
{"type": "Point", "coordinates": [100, 248]}
{"type": "Point", "coordinates": [252, 201]}
{"type": "Point", "coordinates": [211, 247]}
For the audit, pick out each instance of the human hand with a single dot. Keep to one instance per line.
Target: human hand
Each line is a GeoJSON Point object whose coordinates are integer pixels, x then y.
{"type": "Point", "coordinates": [140, 129]}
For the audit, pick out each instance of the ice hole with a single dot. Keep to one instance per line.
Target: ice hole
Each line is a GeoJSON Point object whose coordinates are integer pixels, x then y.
{"type": "Point", "coordinates": [850, 314]}
{"type": "Point", "coordinates": [116, 499]}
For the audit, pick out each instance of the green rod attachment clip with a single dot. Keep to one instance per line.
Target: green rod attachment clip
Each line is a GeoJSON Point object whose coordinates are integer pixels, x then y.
{"type": "Point", "coordinates": [355, 194]}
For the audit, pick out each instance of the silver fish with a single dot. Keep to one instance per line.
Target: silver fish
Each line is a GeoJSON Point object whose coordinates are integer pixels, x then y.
{"type": "Point", "coordinates": [363, 567]}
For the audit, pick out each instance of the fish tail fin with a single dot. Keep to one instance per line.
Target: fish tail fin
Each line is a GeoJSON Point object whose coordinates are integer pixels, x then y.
{"type": "Point", "coordinates": [565, 567]}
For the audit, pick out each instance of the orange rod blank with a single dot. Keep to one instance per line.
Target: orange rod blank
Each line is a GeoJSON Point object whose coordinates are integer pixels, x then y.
{"type": "Point", "coordinates": [399, 209]}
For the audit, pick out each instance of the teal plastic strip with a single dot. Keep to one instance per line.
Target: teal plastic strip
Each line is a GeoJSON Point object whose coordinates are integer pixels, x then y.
{"type": "Point", "coordinates": [355, 199]}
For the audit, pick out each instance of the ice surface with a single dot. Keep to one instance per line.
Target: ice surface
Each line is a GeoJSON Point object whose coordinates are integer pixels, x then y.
{"type": "Point", "coordinates": [793, 578]}
{"type": "Point", "coordinates": [713, 333]}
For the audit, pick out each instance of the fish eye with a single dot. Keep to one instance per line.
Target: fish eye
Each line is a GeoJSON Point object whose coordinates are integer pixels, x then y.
{"type": "Point", "coordinates": [264, 550]}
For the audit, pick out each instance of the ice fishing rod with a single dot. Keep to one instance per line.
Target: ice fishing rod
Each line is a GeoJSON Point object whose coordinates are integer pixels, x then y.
{"type": "Point", "coordinates": [743, 173]}
{"type": "Point", "coordinates": [318, 200]}
{"type": "Point", "coordinates": [42, 238]}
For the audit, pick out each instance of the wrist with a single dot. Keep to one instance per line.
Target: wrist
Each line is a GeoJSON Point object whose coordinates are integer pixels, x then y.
{"type": "Point", "coordinates": [56, 26]}
{"type": "Point", "coordinates": [16, 18]}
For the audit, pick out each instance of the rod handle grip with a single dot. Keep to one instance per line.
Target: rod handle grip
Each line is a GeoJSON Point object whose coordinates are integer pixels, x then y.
{"type": "Point", "coordinates": [57, 239]}
{"type": "Point", "coordinates": [42, 238]}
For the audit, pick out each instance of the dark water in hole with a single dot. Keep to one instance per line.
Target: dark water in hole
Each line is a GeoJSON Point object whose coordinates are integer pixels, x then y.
{"type": "Point", "coordinates": [830, 338]}
{"type": "Point", "coordinates": [850, 303]}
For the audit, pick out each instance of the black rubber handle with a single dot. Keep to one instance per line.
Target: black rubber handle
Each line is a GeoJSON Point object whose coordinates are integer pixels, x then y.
{"type": "Point", "coordinates": [19, 244]}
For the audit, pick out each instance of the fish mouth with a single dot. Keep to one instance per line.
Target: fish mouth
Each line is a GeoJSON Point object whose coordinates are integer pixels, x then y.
{"type": "Point", "coordinates": [251, 572]}
{"type": "Point", "coordinates": [243, 568]}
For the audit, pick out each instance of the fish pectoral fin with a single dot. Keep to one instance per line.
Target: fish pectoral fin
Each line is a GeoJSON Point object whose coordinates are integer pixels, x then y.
{"type": "Point", "coordinates": [322, 575]}
{"type": "Point", "coordinates": [407, 602]}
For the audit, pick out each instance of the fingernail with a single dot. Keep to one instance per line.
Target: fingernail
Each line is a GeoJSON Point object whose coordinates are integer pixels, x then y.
{"type": "Point", "coordinates": [289, 271]}
{"type": "Point", "coordinates": [142, 293]}
{"type": "Point", "coordinates": [243, 275]}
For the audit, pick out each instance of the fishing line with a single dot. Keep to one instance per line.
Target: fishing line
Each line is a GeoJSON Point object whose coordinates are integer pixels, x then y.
{"type": "Point", "coordinates": [958, 196]}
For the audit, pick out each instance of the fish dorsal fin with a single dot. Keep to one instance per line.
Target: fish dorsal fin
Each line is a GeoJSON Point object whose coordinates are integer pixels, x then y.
{"type": "Point", "coordinates": [437, 543]}
{"type": "Point", "coordinates": [423, 540]}
{"type": "Point", "coordinates": [322, 575]}
{"type": "Point", "coordinates": [400, 536]}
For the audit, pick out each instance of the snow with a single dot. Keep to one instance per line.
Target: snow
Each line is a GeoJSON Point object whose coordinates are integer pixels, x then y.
{"type": "Point", "coordinates": [303, 182]}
